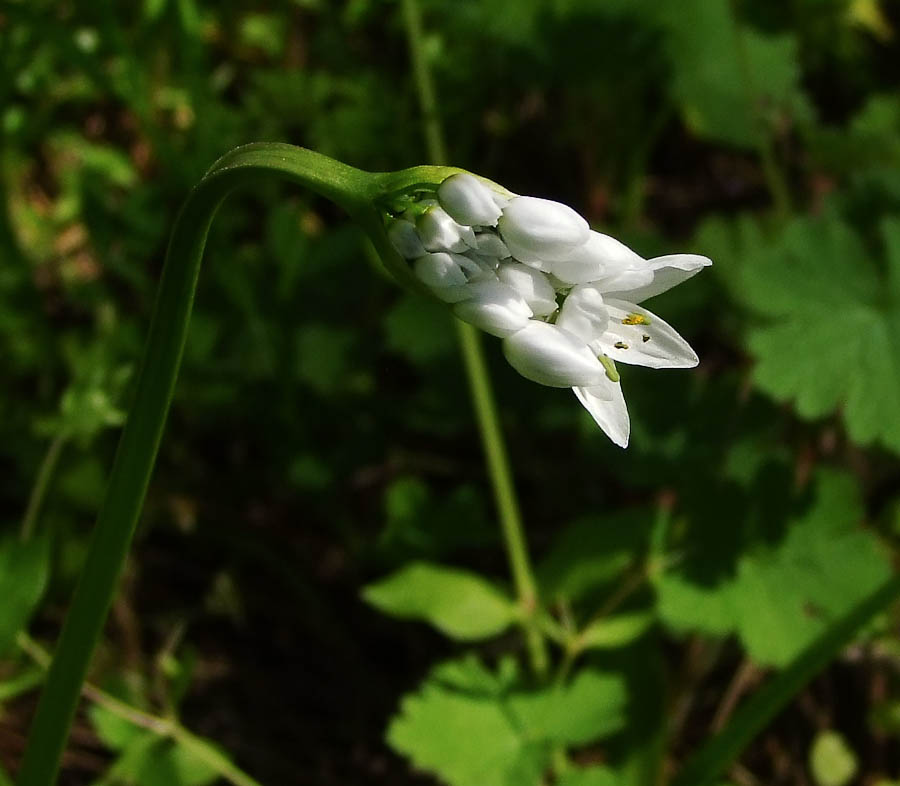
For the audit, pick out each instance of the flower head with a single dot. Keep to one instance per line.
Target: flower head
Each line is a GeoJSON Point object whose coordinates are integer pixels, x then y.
{"type": "Point", "coordinates": [563, 297]}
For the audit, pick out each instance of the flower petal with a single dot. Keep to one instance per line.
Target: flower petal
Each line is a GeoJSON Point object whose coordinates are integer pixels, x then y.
{"type": "Point", "coordinates": [668, 271]}
{"type": "Point", "coordinates": [637, 336]}
{"type": "Point", "coordinates": [584, 313]}
{"type": "Point", "coordinates": [607, 406]}
{"type": "Point", "coordinates": [549, 355]}
{"type": "Point", "coordinates": [599, 257]}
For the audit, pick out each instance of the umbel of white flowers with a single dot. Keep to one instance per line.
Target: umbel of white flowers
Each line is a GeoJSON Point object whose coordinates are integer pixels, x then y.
{"type": "Point", "coordinates": [562, 297]}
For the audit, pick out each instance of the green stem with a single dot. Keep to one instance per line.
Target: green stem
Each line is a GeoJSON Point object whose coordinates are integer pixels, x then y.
{"type": "Point", "coordinates": [479, 379]}
{"type": "Point", "coordinates": [357, 192]}
{"type": "Point", "coordinates": [42, 485]}
{"type": "Point", "coordinates": [163, 726]}
{"type": "Point", "coordinates": [775, 179]}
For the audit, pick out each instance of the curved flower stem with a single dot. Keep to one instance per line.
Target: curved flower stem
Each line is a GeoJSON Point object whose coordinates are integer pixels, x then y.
{"type": "Point", "coordinates": [480, 381]}
{"type": "Point", "coordinates": [354, 190]}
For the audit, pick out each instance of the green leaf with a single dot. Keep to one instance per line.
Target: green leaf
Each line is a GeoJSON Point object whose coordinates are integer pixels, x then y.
{"type": "Point", "coordinates": [831, 760]}
{"type": "Point", "coordinates": [730, 81]}
{"type": "Point", "coordinates": [472, 728]}
{"type": "Point", "coordinates": [785, 586]}
{"type": "Point", "coordinates": [589, 776]}
{"type": "Point", "coordinates": [831, 334]}
{"type": "Point", "coordinates": [24, 568]}
{"type": "Point", "coordinates": [617, 631]}
{"type": "Point", "coordinates": [460, 604]}
{"type": "Point", "coordinates": [590, 706]}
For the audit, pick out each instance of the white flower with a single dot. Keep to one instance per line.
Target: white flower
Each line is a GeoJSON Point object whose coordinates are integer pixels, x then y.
{"type": "Point", "coordinates": [563, 298]}
{"type": "Point", "coordinates": [468, 201]}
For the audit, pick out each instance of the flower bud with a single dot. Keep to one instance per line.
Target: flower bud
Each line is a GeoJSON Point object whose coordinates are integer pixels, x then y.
{"type": "Point", "coordinates": [439, 232]}
{"type": "Point", "coordinates": [405, 239]}
{"type": "Point", "coordinates": [439, 271]}
{"type": "Point", "coordinates": [494, 308]}
{"type": "Point", "coordinates": [539, 230]}
{"type": "Point", "coordinates": [549, 355]}
{"type": "Point", "coordinates": [584, 314]}
{"type": "Point", "coordinates": [490, 244]}
{"type": "Point", "coordinates": [601, 255]}
{"type": "Point", "coordinates": [531, 284]}
{"type": "Point", "coordinates": [468, 201]}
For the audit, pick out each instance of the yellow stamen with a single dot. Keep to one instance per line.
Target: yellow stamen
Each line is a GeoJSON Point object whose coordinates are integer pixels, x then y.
{"type": "Point", "coordinates": [635, 319]}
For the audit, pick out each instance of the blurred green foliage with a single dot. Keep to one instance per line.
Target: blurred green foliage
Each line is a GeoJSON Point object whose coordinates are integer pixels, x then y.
{"type": "Point", "coordinates": [321, 438]}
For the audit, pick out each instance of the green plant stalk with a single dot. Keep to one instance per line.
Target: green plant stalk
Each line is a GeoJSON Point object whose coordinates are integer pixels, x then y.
{"type": "Point", "coordinates": [723, 749]}
{"type": "Point", "coordinates": [775, 179]}
{"type": "Point", "coordinates": [42, 485]}
{"type": "Point", "coordinates": [354, 190]}
{"type": "Point", "coordinates": [479, 378]}
{"type": "Point", "coordinates": [165, 727]}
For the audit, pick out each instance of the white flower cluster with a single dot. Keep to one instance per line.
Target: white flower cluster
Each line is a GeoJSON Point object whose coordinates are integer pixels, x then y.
{"type": "Point", "coordinates": [561, 296]}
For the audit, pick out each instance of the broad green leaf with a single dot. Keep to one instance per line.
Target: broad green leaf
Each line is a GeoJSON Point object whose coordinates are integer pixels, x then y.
{"type": "Point", "coordinates": [784, 587]}
{"type": "Point", "coordinates": [460, 604]}
{"type": "Point", "coordinates": [830, 333]}
{"type": "Point", "coordinates": [831, 760]}
{"type": "Point", "coordinates": [730, 81]}
{"type": "Point", "coordinates": [23, 577]}
{"type": "Point", "coordinates": [471, 728]}
{"type": "Point", "coordinates": [589, 776]}
{"type": "Point", "coordinates": [617, 631]}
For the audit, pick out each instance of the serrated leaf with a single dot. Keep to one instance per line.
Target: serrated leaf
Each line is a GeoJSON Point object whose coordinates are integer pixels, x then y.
{"type": "Point", "coordinates": [23, 577]}
{"type": "Point", "coordinates": [831, 760]}
{"type": "Point", "coordinates": [460, 604]}
{"type": "Point", "coordinates": [590, 706]}
{"type": "Point", "coordinates": [782, 592]}
{"type": "Point", "coordinates": [830, 338]}
{"type": "Point", "coordinates": [729, 80]}
{"type": "Point", "coordinates": [479, 730]}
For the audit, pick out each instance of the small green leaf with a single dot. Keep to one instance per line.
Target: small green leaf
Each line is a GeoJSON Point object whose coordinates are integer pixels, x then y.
{"type": "Point", "coordinates": [589, 776]}
{"type": "Point", "coordinates": [23, 577]}
{"type": "Point", "coordinates": [611, 632]}
{"type": "Point", "coordinates": [460, 604]}
{"type": "Point", "coordinates": [831, 760]}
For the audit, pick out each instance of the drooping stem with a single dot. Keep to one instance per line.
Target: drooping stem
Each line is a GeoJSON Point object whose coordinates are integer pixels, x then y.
{"type": "Point", "coordinates": [479, 378]}
{"type": "Point", "coordinates": [354, 190]}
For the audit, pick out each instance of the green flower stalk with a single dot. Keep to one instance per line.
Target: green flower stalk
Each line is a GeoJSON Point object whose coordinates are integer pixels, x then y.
{"type": "Point", "coordinates": [364, 196]}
